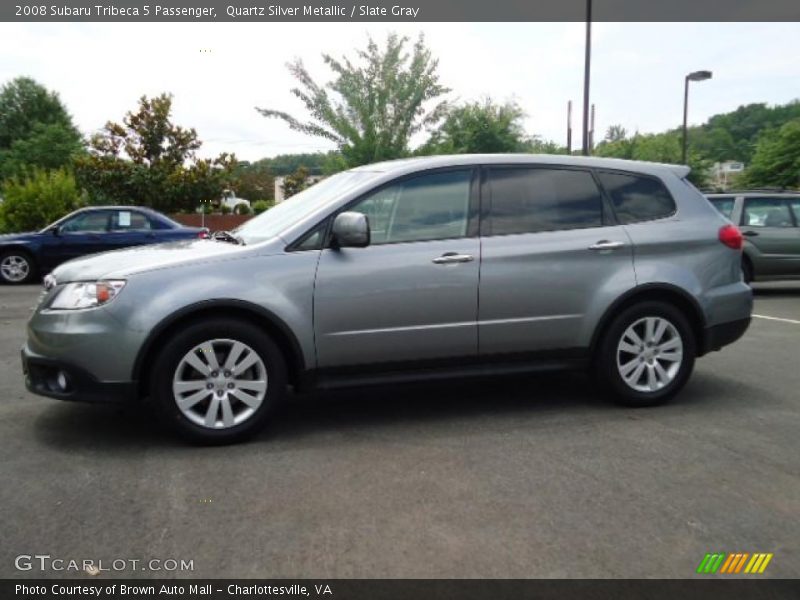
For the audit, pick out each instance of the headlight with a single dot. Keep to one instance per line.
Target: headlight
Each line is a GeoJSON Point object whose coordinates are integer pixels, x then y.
{"type": "Point", "coordinates": [86, 294]}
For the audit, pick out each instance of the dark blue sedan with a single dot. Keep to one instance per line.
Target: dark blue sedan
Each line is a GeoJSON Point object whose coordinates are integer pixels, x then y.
{"type": "Point", "coordinates": [86, 231]}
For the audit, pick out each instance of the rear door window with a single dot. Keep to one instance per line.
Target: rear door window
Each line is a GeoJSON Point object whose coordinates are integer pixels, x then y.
{"type": "Point", "coordinates": [766, 212]}
{"type": "Point", "coordinates": [534, 199]}
{"type": "Point", "coordinates": [129, 220]}
{"type": "Point", "coordinates": [637, 198]}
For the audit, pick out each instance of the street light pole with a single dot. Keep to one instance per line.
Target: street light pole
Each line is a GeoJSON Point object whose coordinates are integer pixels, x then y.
{"type": "Point", "coordinates": [695, 76]}
{"type": "Point", "coordinates": [586, 73]}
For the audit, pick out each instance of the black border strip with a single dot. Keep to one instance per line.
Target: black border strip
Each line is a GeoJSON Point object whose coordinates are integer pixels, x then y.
{"type": "Point", "coordinates": [386, 11]}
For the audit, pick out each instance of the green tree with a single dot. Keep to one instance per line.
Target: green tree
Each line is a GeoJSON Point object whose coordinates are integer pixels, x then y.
{"type": "Point", "coordinates": [260, 206]}
{"type": "Point", "coordinates": [36, 130]}
{"type": "Point", "coordinates": [296, 182]}
{"type": "Point", "coordinates": [615, 133]}
{"type": "Point", "coordinates": [480, 127]}
{"type": "Point", "coordinates": [149, 160]}
{"type": "Point", "coordinates": [536, 145]}
{"type": "Point", "coordinates": [370, 110]}
{"type": "Point", "coordinates": [656, 147]}
{"type": "Point", "coordinates": [48, 147]}
{"type": "Point", "coordinates": [41, 197]}
{"type": "Point", "coordinates": [253, 181]}
{"type": "Point", "coordinates": [286, 164]}
{"type": "Point", "coordinates": [776, 161]}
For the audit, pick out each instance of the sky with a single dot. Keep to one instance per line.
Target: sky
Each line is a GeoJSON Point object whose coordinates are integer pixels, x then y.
{"type": "Point", "coordinates": [219, 72]}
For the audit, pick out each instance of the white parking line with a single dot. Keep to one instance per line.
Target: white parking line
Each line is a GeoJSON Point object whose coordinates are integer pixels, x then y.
{"type": "Point", "coordinates": [793, 321]}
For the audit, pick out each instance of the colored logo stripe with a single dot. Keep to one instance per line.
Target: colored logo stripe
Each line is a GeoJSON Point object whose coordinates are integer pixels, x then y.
{"type": "Point", "coordinates": [710, 563]}
{"type": "Point", "coordinates": [758, 563]}
{"type": "Point", "coordinates": [734, 562]}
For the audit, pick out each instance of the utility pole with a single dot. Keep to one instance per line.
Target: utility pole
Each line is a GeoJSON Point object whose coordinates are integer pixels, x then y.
{"type": "Point", "coordinates": [569, 127]}
{"type": "Point", "coordinates": [591, 132]}
{"type": "Point", "coordinates": [586, 73]}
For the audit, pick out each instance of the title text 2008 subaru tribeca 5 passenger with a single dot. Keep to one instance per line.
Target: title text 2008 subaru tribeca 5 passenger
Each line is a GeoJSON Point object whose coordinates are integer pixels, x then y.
{"type": "Point", "coordinates": [408, 269]}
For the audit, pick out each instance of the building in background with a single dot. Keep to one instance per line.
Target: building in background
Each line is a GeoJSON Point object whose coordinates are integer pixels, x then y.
{"type": "Point", "coordinates": [724, 174]}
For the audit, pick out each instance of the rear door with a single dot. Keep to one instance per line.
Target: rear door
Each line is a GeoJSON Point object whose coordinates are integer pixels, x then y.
{"type": "Point", "coordinates": [129, 228]}
{"type": "Point", "coordinates": [552, 260]}
{"type": "Point", "coordinates": [770, 227]}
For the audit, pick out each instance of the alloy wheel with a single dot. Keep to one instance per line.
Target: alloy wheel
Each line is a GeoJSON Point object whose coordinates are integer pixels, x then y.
{"type": "Point", "coordinates": [15, 268]}
{"type": "Point", "coordinates": [649, 354]}
{"type": "Point", "coordinates": [220, 383]}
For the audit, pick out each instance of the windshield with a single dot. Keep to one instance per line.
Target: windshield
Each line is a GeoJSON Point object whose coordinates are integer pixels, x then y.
{"type": "Point", "coordinates": [272, 222]}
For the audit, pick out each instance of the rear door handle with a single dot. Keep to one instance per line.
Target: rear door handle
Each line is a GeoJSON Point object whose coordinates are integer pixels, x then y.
{"type": "Point", "coordinates": [750, 233]}
{"type": "Point", "coordinates": [606, 245]}
{"type": "Point", "coordinates": [453, 257]}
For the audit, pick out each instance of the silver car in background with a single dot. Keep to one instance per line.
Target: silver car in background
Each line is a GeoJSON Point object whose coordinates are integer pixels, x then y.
{"type": "Point", "coordinates": [770, 224]}
{"type": "Point", "coordinates": [405, 270]}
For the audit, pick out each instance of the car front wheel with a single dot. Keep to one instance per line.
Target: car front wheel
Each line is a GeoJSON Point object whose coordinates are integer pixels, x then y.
{"type": "Point", "coordinates": [16, 267]}
{"type": "Point", "coordinates": [646, 355]}
{"type": "Point", "coordinates": [216, 381]}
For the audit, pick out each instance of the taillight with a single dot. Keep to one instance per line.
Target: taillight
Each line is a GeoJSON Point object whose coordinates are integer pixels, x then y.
{"type": "Point", "coordinates": [731, 237]}
{"type": "Point", "coordinates": [203, 235]}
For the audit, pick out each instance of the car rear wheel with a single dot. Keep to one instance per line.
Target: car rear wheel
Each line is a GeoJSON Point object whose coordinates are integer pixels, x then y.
{"type": "Point", "coordinates": [646, 355]}
{"type": "Point", "coordinates": [16, 267]}
{"type": "Point", "coordinates": [216, 381]}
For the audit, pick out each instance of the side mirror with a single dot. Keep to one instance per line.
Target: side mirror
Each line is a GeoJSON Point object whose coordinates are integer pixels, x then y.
{"type": "Point", "coordinates": [351, 230]}
{"type": "Point", "coordinates": [55, 230]}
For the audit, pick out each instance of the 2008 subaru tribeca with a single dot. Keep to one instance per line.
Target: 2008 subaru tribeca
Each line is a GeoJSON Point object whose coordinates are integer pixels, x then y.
{"type": "Point", "coordinates": [418, 268]}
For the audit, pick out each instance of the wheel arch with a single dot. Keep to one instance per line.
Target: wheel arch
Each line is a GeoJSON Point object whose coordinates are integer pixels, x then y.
{"type": "Point", "coordinates": [22, 248]}
{"type": "Point", "coordinates": [662, 292]}
{"type": "Point", "coordinates": [259, 316]}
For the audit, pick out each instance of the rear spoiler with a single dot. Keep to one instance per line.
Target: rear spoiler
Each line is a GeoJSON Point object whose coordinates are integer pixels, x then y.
{"type": "Point", "coordinates": [681, 171]}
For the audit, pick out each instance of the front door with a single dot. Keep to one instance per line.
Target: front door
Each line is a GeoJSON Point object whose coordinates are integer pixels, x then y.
{"type": "Point", "coordinates": [85, 233]}
{"type": "Point", "coordinates": [412, 294]}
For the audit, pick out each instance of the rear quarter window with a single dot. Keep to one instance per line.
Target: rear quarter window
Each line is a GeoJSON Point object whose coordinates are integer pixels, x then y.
{"type": "Point", "coordinates": [637, 198]}
{"type": "Point", "coordinates": [723, 204]}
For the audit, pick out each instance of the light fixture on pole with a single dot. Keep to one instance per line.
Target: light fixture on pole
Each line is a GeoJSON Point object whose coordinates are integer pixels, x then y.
{"type": "Point", "coordinates": [695, 76]}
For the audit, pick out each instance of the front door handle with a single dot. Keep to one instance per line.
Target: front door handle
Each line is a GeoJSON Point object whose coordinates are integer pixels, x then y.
{"type": "Point", "coordinates": [606, 245]}
{"type": "Point", "coordinates": [750, 233]}
{"type": "Point", "coordinates": [453, 257]}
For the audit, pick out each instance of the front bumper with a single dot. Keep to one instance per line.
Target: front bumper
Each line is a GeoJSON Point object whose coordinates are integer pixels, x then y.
{"type": "Point", "coordinates": [42, 378]}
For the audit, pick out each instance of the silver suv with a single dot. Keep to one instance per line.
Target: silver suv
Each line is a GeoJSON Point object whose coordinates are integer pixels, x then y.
{"type": "Point", "coordinates": [411, 269]}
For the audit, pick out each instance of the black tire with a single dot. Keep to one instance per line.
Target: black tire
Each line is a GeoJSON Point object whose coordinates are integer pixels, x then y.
{"type": "Point", "coordinates": [606, 366]}
{"type": "Point", "coordinates": [171, 357]}
{"type": "Point", "coordinates": [18, 255]}
{"type": "Point", "coordinates": [747, 271]}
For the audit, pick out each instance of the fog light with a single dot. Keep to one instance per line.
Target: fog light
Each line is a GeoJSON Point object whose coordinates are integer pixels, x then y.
{"type": "Point", "coordinates": [61, 381]}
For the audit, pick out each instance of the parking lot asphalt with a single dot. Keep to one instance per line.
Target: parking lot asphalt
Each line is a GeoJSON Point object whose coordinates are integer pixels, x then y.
{"type": "Point", "coordinates": [504, 478]}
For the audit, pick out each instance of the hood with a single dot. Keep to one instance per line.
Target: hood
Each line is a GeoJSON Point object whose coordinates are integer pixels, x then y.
{"type": "Point", "coordinates": [119, 264]}
{"type": "Point", "coordinates": [18, 237]}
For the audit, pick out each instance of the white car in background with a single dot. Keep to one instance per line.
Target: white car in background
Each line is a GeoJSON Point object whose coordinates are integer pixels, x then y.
{"type": "Point", "coordinates": [230, 200]}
